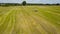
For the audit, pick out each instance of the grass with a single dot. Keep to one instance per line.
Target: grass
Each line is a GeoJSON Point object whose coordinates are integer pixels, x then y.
{"type": "Point", "coordinates": [30, 20]}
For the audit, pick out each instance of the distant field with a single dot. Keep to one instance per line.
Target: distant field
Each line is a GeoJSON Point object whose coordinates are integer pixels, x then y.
{"type": "Point", "coordinates": [30, 20]}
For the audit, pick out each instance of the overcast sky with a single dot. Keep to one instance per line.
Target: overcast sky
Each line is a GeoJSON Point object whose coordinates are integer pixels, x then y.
{"type": "Point", "coordinates": [30, 1]}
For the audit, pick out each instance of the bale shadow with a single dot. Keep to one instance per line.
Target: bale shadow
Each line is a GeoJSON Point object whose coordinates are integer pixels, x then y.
{"type": "Point", "coordinates": [35, 10]}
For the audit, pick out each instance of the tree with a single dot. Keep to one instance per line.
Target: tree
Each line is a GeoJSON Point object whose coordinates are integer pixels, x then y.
{"type": "Point", "coordinates": [57, 4]}
{"type": "Point", "coordinates": [24, 3]}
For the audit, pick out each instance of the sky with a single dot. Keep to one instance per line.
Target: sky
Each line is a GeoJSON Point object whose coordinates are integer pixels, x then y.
{"type": "Point", "coordinates": [30, 1]}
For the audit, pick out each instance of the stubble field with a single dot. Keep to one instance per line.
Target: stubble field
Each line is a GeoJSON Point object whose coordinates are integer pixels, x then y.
{"type": "Point", "coordinates": [30, 20]}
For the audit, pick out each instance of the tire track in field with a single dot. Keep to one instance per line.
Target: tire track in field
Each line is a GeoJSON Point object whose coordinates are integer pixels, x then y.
{"type": "Point", "coordinates": [4, 23]}
{"type": "Point", "coordinates": [9, 17]}
{"type": "Point", "coordinates": [30, 23]}
{"type": "Point", "coordinates": [40, 30]}
{"type": "Point", "coordinates": [4, 17]}
{"type": "Point", "coordinates": [52, 28]}
{"type": "Point", "coordinates": [11, 24]}
{"type": "Point", "coordinates": [23, 23]}
{"type": "Point", "coordinates": [52, 19]}
{"type": "Point", "coordinates": [17, 29]}
{"type": "Point", "coordinates": [52, 24]}
{"type": "Point", "coordinates": [39, 21]}
{"type": "Point", "coordinates": [46, 25]}
{"type": "Point", "coordinates": [32, 19]}
{"type": "Point", "coordinates": [35, 21]}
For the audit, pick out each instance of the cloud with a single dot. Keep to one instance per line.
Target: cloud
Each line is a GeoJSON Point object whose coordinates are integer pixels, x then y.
{"type": "Point", "coordinates": [30, 1]}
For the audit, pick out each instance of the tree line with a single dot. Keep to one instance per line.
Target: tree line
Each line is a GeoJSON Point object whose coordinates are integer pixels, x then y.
{"type": "Point", "coordinates": [23, 4]}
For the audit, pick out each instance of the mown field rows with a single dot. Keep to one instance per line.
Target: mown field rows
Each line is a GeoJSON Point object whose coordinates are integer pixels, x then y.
{"type": "Point", "coordinates": [30, 20]}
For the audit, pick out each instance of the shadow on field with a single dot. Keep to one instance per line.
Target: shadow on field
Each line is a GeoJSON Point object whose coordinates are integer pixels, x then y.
{"type": "Point", "coordinates": [35, 10]}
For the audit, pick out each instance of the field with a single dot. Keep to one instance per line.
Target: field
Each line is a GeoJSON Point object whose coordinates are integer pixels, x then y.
{"type": "Point", "coordinates": [30, 20]}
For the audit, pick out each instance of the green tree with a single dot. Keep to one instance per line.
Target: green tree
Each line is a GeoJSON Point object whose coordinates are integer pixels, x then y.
{"type": "Point", "coordinates": [24, 3]}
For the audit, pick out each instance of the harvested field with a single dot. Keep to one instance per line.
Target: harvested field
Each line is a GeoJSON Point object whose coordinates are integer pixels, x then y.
{"type": "Point", "coordinates": [30, 20]}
